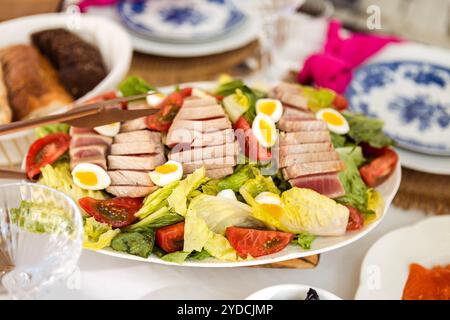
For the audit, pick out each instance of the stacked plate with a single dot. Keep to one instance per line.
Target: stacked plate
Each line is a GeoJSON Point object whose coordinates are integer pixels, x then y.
{"type": "Point", "coordinates": [183, 28]}
{"type": "Point", "coordinates": [408, 86]}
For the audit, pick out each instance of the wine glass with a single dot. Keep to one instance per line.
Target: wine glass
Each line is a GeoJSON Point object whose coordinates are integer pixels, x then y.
{"type": "Point", "coordinates": [268, 14]}
{"type": "Point", "coordinates": [41, 242]}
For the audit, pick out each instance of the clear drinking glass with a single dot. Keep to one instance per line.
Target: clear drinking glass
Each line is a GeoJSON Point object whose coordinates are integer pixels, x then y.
{"type": "Point", "coordinates": [36, 250]}
{"type": "Point", "coordinates": [268, 13]}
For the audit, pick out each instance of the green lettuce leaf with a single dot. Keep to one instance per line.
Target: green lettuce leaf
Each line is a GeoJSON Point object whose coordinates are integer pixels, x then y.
{"type": "Point", "coordinates": [355, 188]}
{"type": "Point", "coordinates": [219, 247]}
{"type": "Point", "coordinates": [238, 178]}
{"type": "Point", "coordinates": [318, 98]}
{"type": "Point", "coordinates": [179, 196]}
{"type": "Point", "coordinates": [199, 256]}
{"type": "Point", "coordinates": [259, 184]}
{"type": "Point", "coordinates": [135, 243]}
{"type": "Point", "coordinates": [59, 177]}
{"type": "Point", "coordinates": [364, 129]}
{"type": "Point", "coordinates": [355, 153]}
{"type": "Point", "coordinates": [98, 235]}
{"type": "Point", "coordinates": [134, 85]}
{"type": "Point", "coordinates": [338, 140]}
{"type": "Point", "coordinates": [51, 128]}
{"type": "Point", "coordinates": [304, 240]}
{"type": "Point", "coordinates": [160, 218]}
{"type": "Point", "coordinates": [156, 200]}
{"type": "Point", "coordinates": [176, 257]}
{"type": "Point", "coordinates": [220, 213]}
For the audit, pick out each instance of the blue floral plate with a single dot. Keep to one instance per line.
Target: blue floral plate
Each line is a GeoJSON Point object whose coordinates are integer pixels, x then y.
{"type": "Point", "coordinates": [180, 20]}
{"type": "Point", "coordinates": [413, 99]}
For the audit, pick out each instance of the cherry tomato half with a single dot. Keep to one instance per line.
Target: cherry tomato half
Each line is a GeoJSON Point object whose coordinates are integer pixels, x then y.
{"type": "Point", "coordinates": [377, 171]}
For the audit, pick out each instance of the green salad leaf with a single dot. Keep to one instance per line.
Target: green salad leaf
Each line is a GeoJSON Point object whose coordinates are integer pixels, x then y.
{"type": "Point", "coordinates": [318, 98]}
{"type": "Point", "coordinates": [338, 140]}
{"type": "Point", "coordinates": [304, 240]}
{"type": "Point", "coordinates": [241, 174]}
{"type": "Point", "coordinates": [179, 196]}
{"type": "Point", "coordinates": [156, 200]}
{"type": "Point", "coordinates": [51, 128]}
{"type": "Point", "coordinates": [98, 235]}
{"type": "Point", "coordinates": [135, 243]}
{"type": "Point", "coordinates": [134, 85]}
{"type": "Point", "coordinates": [355, 188]}
{"type": "Point", "coordinates": [259, 184]}
{"type": "Point", "coordinates": [364, 129]}
{"type": "Point", "coordinates": [176, 257]}
{"type": "Point", "coordinates": [160, 218]}
{"type": "Point", "coordinates": [355, 153]}
{"type": "Point", "coordinates": [199, 256]}
{"type": "Point", "coordinates": [59, 177]}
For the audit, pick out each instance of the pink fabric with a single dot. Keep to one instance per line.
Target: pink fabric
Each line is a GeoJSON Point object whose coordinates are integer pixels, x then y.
{"type": "Point", "coordinates": [84, 4]}
{"type": "Point", "coordinates": [333, 67]}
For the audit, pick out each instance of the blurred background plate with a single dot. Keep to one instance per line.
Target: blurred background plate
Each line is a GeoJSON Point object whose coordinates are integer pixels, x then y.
{"type": "Point", "coordinates": [424, 162]}
{"type": "Point", "coordinates": [413, 99]}
{"type": "Point", "coordinates": [385, 267]}
{"type": "Point", "coordinates": [180, 21]}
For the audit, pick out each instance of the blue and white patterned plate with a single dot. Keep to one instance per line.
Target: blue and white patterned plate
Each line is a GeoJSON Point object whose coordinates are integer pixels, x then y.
{"type": "Point", "coordinates": [180, 20]}
{"type": "Point", "coordinates": [413, 99]}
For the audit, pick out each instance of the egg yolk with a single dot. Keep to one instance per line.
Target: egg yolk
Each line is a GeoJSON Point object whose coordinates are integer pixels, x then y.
{"type": "Point", "coordinates": [332, 118]}
{"type": "Point", "coordinates": [267, 107]}
{"type": "Point", "coordinates": [266, 131]}
{"type": "Point", "coordinates": [166, 168]}
{"type": "Point", "coordinates": [87, 178]}
{"type": "Point", "coordinates": [274, 209]}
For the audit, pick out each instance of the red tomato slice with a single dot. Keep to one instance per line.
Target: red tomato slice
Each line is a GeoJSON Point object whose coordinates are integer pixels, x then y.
{"type": "Point", "coordinates": [171, 238]}
{"type": "Point", "coordinates": [45, 150]}
{"type": "Point", "coordinates": [340, 102]}
{"type": "Point", "coordinates": [380, 168]}
{"type": "Point", "coordinates": [257, 243]}
{"type": "Point", "coordinates": [117, 212]}
{"type": "Point", "coordinates": [168, 109]}
{"type": "Point", "coordinates": [355, 219]}
{"type": "Point", "coordinates": [102, 97]}
{"type": "Point", "coordinates": [252, 147]}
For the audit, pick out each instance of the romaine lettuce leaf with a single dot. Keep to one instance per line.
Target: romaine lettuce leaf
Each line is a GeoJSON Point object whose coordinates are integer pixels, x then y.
{"type": "Point", "coordinates": [196, 232]}
{"type": "Point", "coordinates": [304, 240]}
{"type": "Point", "coordinates": [318, 98]}
{"type": "Point", "coordinates": [156, 200]}
{"type": "Point", "coordinates": [355, 188]}
{"type": "Point", "coordinates": [219, 247]}
{"type": "Point", "coordinates": [51, 128]}
{"type": "Point", "coordinates": [98, 235]}
{"type": "Point", "coordinates": [199, 256]}
{"type": "Point", "coordinates": [259, 184]}
{"type": "Point", "coordinates": [238, 178]}
{"type": "Point", "coordinates": [59, 177]}
{"type": "Point", "coordinates": [369, 130]}
{"type": "Point", "coordinates": [220, 213]}
{"type": "Point", "coordinates": [355, 152]}
{"type": "Point", "coordinates": [176, 257]}
{"type": "Point", "coordinates": [179, 196]}
{"type": "Point", "coordinates": [134, 85]}
{"type": "Point", "coordinates": [160, 218]}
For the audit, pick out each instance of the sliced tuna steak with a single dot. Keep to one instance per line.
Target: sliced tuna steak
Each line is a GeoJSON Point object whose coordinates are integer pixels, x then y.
{"type": "Point", "coordinates": [304, 148]}
{"type": "Point", "coordinates": [89, 139]}
{"type": "Point", "coordinates": [327, 184]}
{"type": "Point", "coordinates": [292, 159]}
{"type": "Point", "coordinates": [207, 101]}
{"type": "Point", "coordinates": [130, 177]}
{"type": "Point", "coordinates": [216, 163]}
{"type": "Point", "coordinates": [305, 169]}
{"type": "Point", "coordinates": [98, 160]}
{"type": "Point", "coordinates": [190, 155]}
{"type": "Point", "coordinates": [301, 125]}
{"type": "Point", "coordinates": [131, 191]}
{"type": "Point", "coordinates": [147, 162]}
{"type": "Point", "coordinates": [219, 173]}
{"type": "Point", "coordinates": [199, 139]}
{"type": "Point", "coordinates": [128, 148]}
{"type": "Point", "coordinates": [76, 130]}
{"type": "Point", "coordinates": [88, 151]}
{"type": "Point", "coordinates": [304, 137]}
{"type": "Point", "coordinates": [202, 126]}
{"type": "Point", "coordinates": [200, 113]}
{"type": "Point", "coordinates": [133, 125]}
{"type": "Point", "coordinates": [141, 136]}
{"type": "Point", "coordinates": [296, 114]}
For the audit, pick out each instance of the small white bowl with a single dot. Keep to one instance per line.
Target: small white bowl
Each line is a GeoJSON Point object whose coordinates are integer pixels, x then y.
{"type": "Point", "coordinates": [109, 37]}
{"type": "Point", "coordinates": [290, 292]}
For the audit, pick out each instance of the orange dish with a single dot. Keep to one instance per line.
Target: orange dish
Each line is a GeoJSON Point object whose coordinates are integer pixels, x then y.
{"type": "Point", "coordinates": [427, 284]}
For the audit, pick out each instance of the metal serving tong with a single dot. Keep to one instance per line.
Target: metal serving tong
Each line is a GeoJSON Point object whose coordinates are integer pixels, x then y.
{"type": "Point", "coordinates": [87, 115]}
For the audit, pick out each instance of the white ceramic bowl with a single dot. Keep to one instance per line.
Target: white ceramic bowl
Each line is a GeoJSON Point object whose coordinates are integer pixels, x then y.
{"type": "Point", "coordinates": [290, 292]}
{"type": "Point", "coordinates": [110, 38]}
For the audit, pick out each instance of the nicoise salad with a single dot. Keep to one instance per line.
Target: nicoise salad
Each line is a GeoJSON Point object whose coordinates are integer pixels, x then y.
{"type": "Point", "coordinates": [229, 173]}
